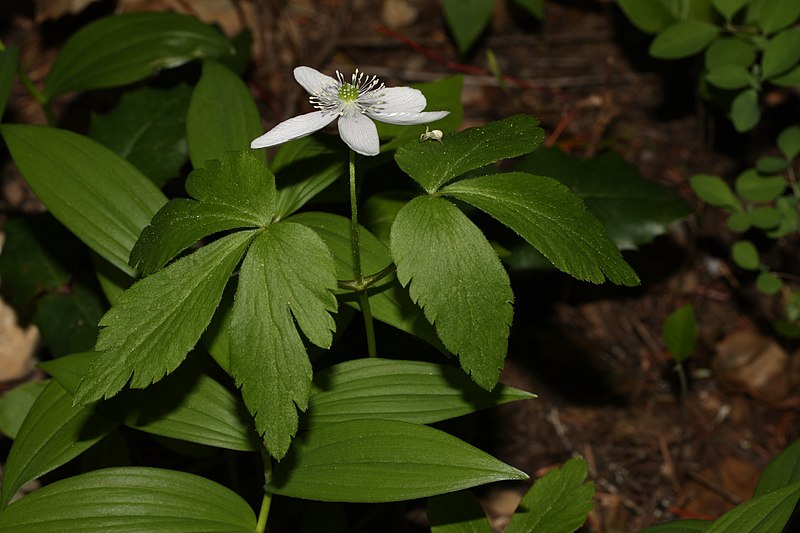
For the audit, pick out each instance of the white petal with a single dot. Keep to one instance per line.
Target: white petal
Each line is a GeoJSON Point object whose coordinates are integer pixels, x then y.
{"type": "Point", "coordinates": [359, 133]}
{"type": "Point", "coordinates": [312, 80]}
{"type": "Point", "coordinates": [402, 100]}
{"type": "Point", "coordinates": [405, 119]}
{"type": "Point", "coordinates": [294, 128]}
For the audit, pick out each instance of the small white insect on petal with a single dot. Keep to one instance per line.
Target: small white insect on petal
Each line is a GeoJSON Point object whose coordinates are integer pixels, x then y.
{"type": "Point", "coordinates": [431, 135]}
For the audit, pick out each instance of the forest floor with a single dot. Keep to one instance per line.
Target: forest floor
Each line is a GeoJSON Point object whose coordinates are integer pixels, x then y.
{"type": "Point", "coordinates": [595, 356]}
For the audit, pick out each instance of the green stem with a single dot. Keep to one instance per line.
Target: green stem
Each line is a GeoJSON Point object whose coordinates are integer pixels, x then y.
{"type": "Point", "coordinates": [266, 501]}
{"type": "Point", "coordinates": [34, 91]}
{"type": "Point", "coordinates": [363, 297]}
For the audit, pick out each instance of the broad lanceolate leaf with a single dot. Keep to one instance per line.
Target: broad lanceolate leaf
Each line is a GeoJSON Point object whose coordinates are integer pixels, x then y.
{"type": "Point", "coordinates": [159, 319]}
{"type": "Point", "coordinates": [390, 302]}
{"type": "Point", "coordinates": [550, 218]}
{"type": "Point", "coordinates": [287, 276]}
{"type": "Point", "coordinates": [95, 193]}
{"type": "Point", "coordinates": [148, 128]}
{"type": "Point", "coordinates": [467, 20]}
{"type": "Point", "coordinates": [53, 433]}
{"type": "Point", "coordinates": [133, 499]}
{"type": "Point", "coordinates": [186, 405]}
{"type": "Point", "coordinates": [768, 512]}
{"type": "Point", "coordinates": [15, 404]}
{"type": "Point", "coordinates": [122, 49]}
{"type": "Point", "coordinates": [222, 116]}
{"type": "Point", "coordinates": [683, 39]}
{"type": "Point", "coordinates": [8, 71]}
{"type": "Point", "coordinates": [633, 209]}
{"type": "Point", "coordinates": [411, 391]}
{"type": "Point", "coordinates": [433, 164]}
{"type": "Point", "coordinates": [457, 279]}
{"type": "Point", "coordinates": [557, 503]}
{"type": "Point", "coordinates": [382, 461]}
{"type": "Point", "coordinates": [457, 512]}
{"type": "Point", "coordinates": [236, 192]}
{"type": "Point", "coordinates": [782, 471]}
{"type": "Point", "coordinates": [680, 333]}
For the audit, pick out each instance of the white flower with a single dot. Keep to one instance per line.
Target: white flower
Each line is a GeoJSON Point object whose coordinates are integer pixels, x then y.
{"type": "Point", "coordinates": [354, 103]}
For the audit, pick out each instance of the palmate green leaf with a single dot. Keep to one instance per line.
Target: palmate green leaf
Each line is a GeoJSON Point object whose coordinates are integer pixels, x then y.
{"type": "Point", "coordinates": [8, 71]}
{"type": "Point", "coordinates": [781, 53]}
{"type": "Point", "coordinates": [551, 219]}
{"type": "Point", "coordinates": [146, 122]}
{"type": "Point", "coordinates": [454, 274]}
{"type": "Point", "coordinates": [132, 499]}
{"type": "Point", "coordinates": [236, 192]}
{"type": "Point", "coordinates": [122, 49]}
{"type": "Point", "coordinates": [304, 168]}
{"type": "Point", "coordinates": [633, 209]}
{"type": "Point", "coordinates": [287, 276]}
{"type": "Point", "coordinates": [54, 432]}
{"type": "Point", "coordinates": [96, 194]}
{"type": "Point", "coordinates": [777, 14]}
{"type": "Point", "coordinates": [683, 39]}
{"type": "Point", "coordinates": [782, 471]}
{"type": "Point", "coordinates": [382, 461]}
{"type": "Point", "coordinates": [186, 405]}
{"type": "Point", "coordinates": [467, 19]}
{"type": "Point", "coordinates": [410, 391]}
{"type": "Point", "coordinates": [15, 405]}
{"type": "Point", "coordinates": [678, 526]}
{"type": "Point", "coordinates": [457, 512]}
{"type": "Point", "coordinates": [433, 165]}
{"type": "Point", "coordinates": [155, 323]}
{"type": "Point", "coordinates": [557, 503]}
{"type": "Point", "coordinates": [680, 332]}
{"type": "Point", "coordinates": [768, 512]}
{"type": "Point", "coordinates": [222, 116]}
{"type": "Point", "coordinates": [389, 301]}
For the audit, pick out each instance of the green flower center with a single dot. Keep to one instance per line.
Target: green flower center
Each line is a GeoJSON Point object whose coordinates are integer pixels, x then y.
{"type": "Point", "coordinates": [348, 92]}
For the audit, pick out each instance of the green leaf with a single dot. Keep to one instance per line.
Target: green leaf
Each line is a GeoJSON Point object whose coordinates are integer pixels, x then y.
{"type": "Point", "coordinates": [683, 39]}
{"type": "Point", "coordinates": [771, 165]}
{"type": "Point", "coordinates": [8, 72]}
{"type": "Point", "coordinates": [410, 391]}
{"type": "Point", "coordinates": [534, 7]}
{"type": "Point", "coordinates": [382, 461]}
{"type": "Point", "coordinates": [730, 51]}
{"type": "Point", "coordinates": [380, 210]}
{"type": "Point", "coordinates": [132, 498]}
{"type": "Point", "coordinates": [740, 221]}
{"type": "Point", "coordinates": [457, 279]}
{"type": "Point", "coordinates": [457, 512]}
{"type": "Point", "coordinates": [745, 255]}
{"type": "Point", "coordinates": [790, 79]}
{"type": "Point", "coordinates": [53, 433]}
{"type": "Point", "coordinates": [148, 128]}
{"type": "Point", "coordinates": [186, 405]}
{"type": "Point", "coordinates": [433, 165]}
{"type": "Point", "coordinates": [155, 323]}
{"type": "Point", "coordinates": [222, 116]}
{"type": "Point", "coordinates": [778, 14]}
{"type": "Point", "coordinates": [304, 168]}
{"type": "Point", "coordinates": [781, 53]}
{"type": "Point", "coordinates": [680, 333]}
{"type": "Point", "coordinates": [678, 526]}
{"type": "Point", "coordinates": [68, 321]}
{"type": "Point", "coordinates": [781, 472]}
{"type": "Point", "coordinates": [389, 301]}
{"type": "Point", "coordinates": [234, 193]}
{"type": "Point", "coordinates": [745, 112]}
{"type": "Point", "coordinates": [714, 191]}
{"type": "Point", "coordinates": [730, 77]}
{"type": "Point", "coordinates": [467, 19]}
{"type": "Point", "coordinates": [766, 217]}
{"type": "Point", "coordinates": [122, 49]}
{"type": "Point", "coordinates": [768, 512]}
{"type": "Point", "coordinates": [633, 209]}
{"type": "Point", "coordinates": [99, 196]}
{"type": "Point", "coordinates": [789, 142]}
{"type": "Point", "coordinates": [755, 188]}
{"type": "Point", "coordinates": [790, 222]}
{"type": "Point", "coordinates": [768, 283]}
{"type": "Point", "coordinates": [15, 405]}
{"type": "Point", "coordinates": [728, 8]}
{"type": "Point", "coordinates": [288, 275]}
{"type": "Point", "coordinates": [551, 219]}
{"type": "Point", "coordinates": [559, 502]}
{"type": "Point", "coordinates": [650, 16]}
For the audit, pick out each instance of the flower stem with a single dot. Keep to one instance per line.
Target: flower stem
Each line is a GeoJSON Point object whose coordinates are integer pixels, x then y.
{"type": "Point", "coordinates": [266, 501]}
{"type": "Point", "coordinates": [363, 297]}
